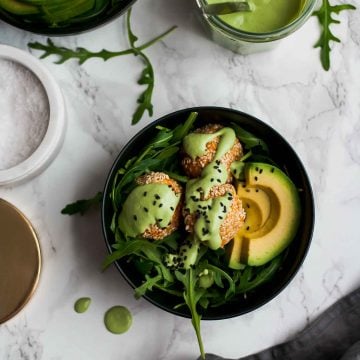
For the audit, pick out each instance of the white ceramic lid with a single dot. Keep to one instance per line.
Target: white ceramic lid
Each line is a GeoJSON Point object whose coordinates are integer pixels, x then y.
{"type": "Point", "coordinates": [53, 139]}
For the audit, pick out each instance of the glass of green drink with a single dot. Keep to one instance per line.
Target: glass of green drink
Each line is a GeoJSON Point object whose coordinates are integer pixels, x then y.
{"type": "Point", "coordinates": [248, 26]}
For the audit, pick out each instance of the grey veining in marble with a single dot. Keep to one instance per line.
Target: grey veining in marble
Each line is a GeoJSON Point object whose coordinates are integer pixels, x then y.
{"type": "Point", "coordinates": [317, 111]}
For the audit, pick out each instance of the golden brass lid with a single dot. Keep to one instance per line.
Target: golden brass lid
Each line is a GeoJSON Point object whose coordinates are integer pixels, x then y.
{"type": "Point", "coordinates": [20, 260]}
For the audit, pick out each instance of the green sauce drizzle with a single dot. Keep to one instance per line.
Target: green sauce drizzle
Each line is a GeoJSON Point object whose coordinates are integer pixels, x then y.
{"type": "Point", "coordinates": [147, 205]}
{"type": "Point", "coordinates": [118, 319]}
{"type": "Point", "coordinates": [81, 305]}
{"type": "Point", "coordinates": [211, 212]}
{"type": "Point", "coordinates": [265, 15]}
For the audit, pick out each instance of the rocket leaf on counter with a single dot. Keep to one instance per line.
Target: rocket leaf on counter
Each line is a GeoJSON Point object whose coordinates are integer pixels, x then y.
{"type": "Point", "coordinates": [324, 15]}
{"type": "Point", "coordinates": [146, 78]}
{"type": "Point", "coordinates": [81, 206]}
{"type": "Point", "coordinates": [81, 54]}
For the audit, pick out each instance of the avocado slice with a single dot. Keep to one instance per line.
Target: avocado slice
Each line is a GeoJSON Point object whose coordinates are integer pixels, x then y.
{"type": "Point", "coordinates": [275, 234]}
{"type": "Point", "coordinates": [257, 205]}
{"type": "Point", "coordinates": [18, 7]}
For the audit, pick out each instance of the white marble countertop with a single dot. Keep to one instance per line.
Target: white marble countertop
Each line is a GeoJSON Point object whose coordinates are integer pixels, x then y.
{"type": "Point", "coordinates": [317, 111]}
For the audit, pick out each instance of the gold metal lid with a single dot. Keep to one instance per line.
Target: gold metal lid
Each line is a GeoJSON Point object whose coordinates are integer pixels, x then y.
{"type": "Point", "coordinates": [20, 260]}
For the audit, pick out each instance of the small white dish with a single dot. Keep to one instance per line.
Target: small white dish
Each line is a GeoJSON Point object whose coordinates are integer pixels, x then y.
{"type": "Point", "coordinates": [54, 136]}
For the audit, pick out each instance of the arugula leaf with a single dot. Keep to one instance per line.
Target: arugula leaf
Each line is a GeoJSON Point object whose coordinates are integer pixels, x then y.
{"type": "Point", "coordinates": [147, 77]}
{"type": "Point", "coordinates": [192, 296]}
{"type": "Point", "coordinates": [81, 54]}
{"type": "Point", "coordinates": [324, 15]}
{"type": "Point", "coordinates": [81, 206]}
{"type": "Point", "coordinates": [248, 139]}
{"type": "Point", "coordinates": [147, 285]}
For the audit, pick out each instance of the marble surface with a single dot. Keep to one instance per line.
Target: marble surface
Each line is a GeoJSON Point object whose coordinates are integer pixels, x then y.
{"type": "Point", "coordinates": [317, 111]}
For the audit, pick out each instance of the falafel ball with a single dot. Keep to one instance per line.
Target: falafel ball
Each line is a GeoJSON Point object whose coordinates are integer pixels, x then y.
{"type": "Point", "coordinates": [152, 211]}
{"type": "Point", "coordinates": [232, 216]}
{"type": "Point", "coordinates": [194, 167]}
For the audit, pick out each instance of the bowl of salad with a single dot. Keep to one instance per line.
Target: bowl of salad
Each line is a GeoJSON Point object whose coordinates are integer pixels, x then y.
{"type": "Point", "coordinates": [208, 213]}
{"type": "Point", "coordinates": [61, 17]}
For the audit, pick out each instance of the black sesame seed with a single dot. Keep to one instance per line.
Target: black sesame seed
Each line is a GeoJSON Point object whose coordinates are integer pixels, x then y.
{"type": "Point", "coordinates": [272, 170]}
{"type": "Point", "coordinates": [146, 209]}
{"type": "Point", "coordinates": [209, 207]}
{"type": "Point", "coordinates": [160, 220]}
{"type": "Point", "coordinates": [216, 167]}
{"type": "Point", "coordinates": [256, 169]}
{"type": "Point", "coordinates": [171, 208]}
{"type": "Point", "coordinates": [244, 186]}
{"type": "Point", "coordinates": [169, 186]}
{"type": "Point", "coordinates": [160, 205]}
{"type": "Point", "coordinates": [234, 171]}
{"type": "Point", "coordinates": [219, 171]}
{"type": "Point", "coordinates": [224, 209]}
{"type": "Point", "coordinates": [157, 197]}
{"type": "Point", "coordinates": [220, 217]}
{"type": "Point", "coordinates": [154, 202]}
{"type": "Point", "coordinates": [261, 170]}
{"type": "Point", "coordinates": [218, 162]}
{"type": "Point", "coordinates": [145, 193]}
{"type": "Point", "coordinates": [185, 257]}
{"type": "Point", "coordinates": [190, 245]}
{"type": "Point", "coordinates": [135, 217]}
{"type": "Point", "coordinates": [248, 228]}
{"type": "Point", "coordinates": [230, 198]}
{"type": "Point", "coordinates": [207, 221]}
{"type": "Point", "coordinates": [218, 180]}
{"type": "Point", "coordinates": [198, 189]}
{"type": "Point", "coordinates": [247, 190]}
{"type": "Point", "coordinates": [257, 190]}
{"type": "Point", "coordinates": [212, 179]}
{"type": "Point", "coordinates": [247, 205]}
{"type": "Point", "coordinates": [221, 204]}
{"type": "Point", "coordinates": [256, 178]}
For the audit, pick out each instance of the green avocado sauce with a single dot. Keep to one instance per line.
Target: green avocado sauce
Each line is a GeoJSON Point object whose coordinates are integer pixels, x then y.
{"type": "Point", "coordinates": [265, 15]}
{"type": "Point", "coordinates": [211, 212]}
{"type": "Point", "coordinates": [118, 319]}
{"type": "Point", "coordinates": [147, 205]}
{"type": "Point", "coordinates": [81, 305]}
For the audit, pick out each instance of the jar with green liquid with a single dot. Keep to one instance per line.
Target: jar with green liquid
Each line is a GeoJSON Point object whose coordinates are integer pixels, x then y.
{"type": "Point", "coordinates": [257, 28]}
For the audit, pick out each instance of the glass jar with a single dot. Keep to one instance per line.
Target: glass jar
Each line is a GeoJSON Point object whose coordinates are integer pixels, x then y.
{"type": "Point", "coordinates": [244, 42]}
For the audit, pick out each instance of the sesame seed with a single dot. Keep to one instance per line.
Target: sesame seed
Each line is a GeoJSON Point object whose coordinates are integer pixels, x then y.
{"type": "Point", "coordinates": [212, 179]}
{"type": "Point", "coordinates": [219, 171]}
{"type": "Point", "coordinates": [272, 170]}
{"type": "Point", "coordinates": [218, 180]}
{"type": "Point", "coordinates": [135, 217]}
{"type": "Point", "coordinates": [145, 193]}
{"type": "Point", "coordinates": [247, 205]}
{"type": "Point", "coordinates": [256, 178]}
{"type": "Point", "coordinates": [157, 197]}
{"type": "Point", "coordinates": [217, 162]}
{"type": "Point", "coordinates": [160, 220]}
{"type": "Point", "coordinates": [154, 202]}
{"type": "Point", "coordinates": [220, 217]}
{"type": "Point", "coordinates": [257, 190]}
{"type": "Point", "coordinates": [256, 169]}
{"type": "Point", "coordinates": [221, 204]}
{"type": "Point", "coordinates": [209, 207]}
{"type": "Point", "coordinates": [171, 208]}
{"type": "Point", "coordinates": [198, 189]}
{"type": "Point", "coordinates": [247, 190]}
{"type": "Point", "coordinates": [261, 170]}
{"type": "Point", "coordinates": [207, 221]}
{"type": "Point", "coordinates": [185, 257]}
{"type": "Point", "coordinates": [224, 209]}
{"type": "Point", "coordinates": [244, 186]}
{"type": "Point", "coordinates": [248, 228]}
{"type": "Point", "coordinates": [235, 171]}
{"type": "Point", "coordinates": [146, 209]}
{"type": "Point", "coordinates": [160, 205]}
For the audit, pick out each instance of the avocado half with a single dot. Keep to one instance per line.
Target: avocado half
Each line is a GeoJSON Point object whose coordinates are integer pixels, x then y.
{"type": "Point", "coordinates": [272, 203]}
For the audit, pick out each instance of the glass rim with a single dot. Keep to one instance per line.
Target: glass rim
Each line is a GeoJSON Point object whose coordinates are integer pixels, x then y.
{"type": "Point", "coordinates": [220, 25]}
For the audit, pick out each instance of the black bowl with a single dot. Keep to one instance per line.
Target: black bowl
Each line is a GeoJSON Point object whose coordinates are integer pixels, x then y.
{"type": "Point", "coordinates": [24, 23]}
{"type": "Point", "coordinates": [281, 152]}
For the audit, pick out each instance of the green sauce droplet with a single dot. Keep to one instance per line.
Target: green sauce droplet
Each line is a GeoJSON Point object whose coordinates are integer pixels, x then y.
{"type": "Point", "coordinates": [82, 304]}
{"type": "Point", "coordinates": [118, 319]}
